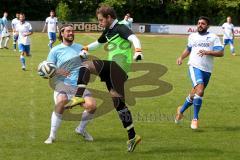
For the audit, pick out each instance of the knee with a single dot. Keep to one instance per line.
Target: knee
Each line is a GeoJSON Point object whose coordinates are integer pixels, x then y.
{"type": "Point", "coordinates": [61, 101]}
{"type": "Point", "coordinates": [200, 92]}
{"type": "Point", "coordinates": [90, 105]}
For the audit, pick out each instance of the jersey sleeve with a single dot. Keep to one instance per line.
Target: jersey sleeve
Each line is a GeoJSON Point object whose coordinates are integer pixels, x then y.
{"type": "Point", "coordinates": [223, 26]}
{"type": "Point", "coordinates": [52, 57]}
{"type": "Point", "coordinates": [30, 27]}
{"type": "Point", "coordinates": [124, 31]}
{"type": "Point", "coordinates": [46, 21]}
{"type": "Point", "coordinates": [102, 38]}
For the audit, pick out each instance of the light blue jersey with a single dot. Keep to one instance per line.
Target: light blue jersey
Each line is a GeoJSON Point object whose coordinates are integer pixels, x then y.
{"type": "Point", "coordinates": [1, 25]}
{"type": "Point", "coordinates": [67, 58]}
{"type": "Point", "coordinates": [4, 24]}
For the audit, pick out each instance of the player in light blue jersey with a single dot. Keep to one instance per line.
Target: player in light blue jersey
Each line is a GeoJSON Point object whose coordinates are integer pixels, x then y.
{"type": "Point", "coordinates": [202, 48]}
{"type": "Point", "coordinates": [15, 21]}
{"type": "Point", "coordinates": [66, 56]}
{"type": "Point", "coordinates": [5, 34]}
{"type": "Point", "coordinates": [23, 30]}
{"type": "Point", "coordinates": [52, 28]}
{"type": "Point", "coordinates": [1, 27]}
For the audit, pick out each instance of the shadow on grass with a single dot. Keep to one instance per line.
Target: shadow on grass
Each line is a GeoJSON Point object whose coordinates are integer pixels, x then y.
{"type": "Point", "coordinates": [225, 128]}
{"type": "Point", "coordinates": [184, 151]}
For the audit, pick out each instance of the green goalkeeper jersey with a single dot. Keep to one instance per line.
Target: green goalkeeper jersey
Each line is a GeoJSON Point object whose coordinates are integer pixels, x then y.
{"type": "Point", "coordinates": [118, 46]}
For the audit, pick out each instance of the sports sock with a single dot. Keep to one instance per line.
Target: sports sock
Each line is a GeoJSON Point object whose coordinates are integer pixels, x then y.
{"type": "Point", "coordinates": [14, 45]}
{"type": "Point", "coordinates": [86, 117]}
{"type": "Point", "coordinates": [125, 116]}
{"type": "Point", "coordinates": [56, 120]}
{"type": "Point", "coordinates": [22, 59]}
{"type": "Point", "coordinates": [6, 41]}
{"type": "Point", "coordinates": [188, 102]}
{"type": "Point", "coordinates": [232, 48]}
{"type": "Point", "coordinates": [1, 39]}
{"type": "Point", "coordinates": [83, 79]}
{"type": "Point", "coordinates": [197, 102]}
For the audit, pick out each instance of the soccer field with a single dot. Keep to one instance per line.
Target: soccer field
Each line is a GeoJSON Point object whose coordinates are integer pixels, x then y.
{"type": "Point", "coordinates": [27, 103]}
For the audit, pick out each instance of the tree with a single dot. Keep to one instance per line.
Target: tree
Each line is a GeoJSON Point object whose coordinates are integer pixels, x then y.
{"type": "Point", "coordinates": [63, 11]}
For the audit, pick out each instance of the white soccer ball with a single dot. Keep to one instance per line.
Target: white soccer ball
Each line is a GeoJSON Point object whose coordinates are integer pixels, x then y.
{"type": "Point", "coordinates": [47, 69]}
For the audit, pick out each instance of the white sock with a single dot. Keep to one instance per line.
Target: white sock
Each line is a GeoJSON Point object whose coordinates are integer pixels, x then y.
{"type": "Point", "coordinates": [86, 117]}
{"type": "Point", "coordinates": [56, 120]}
{"type": "Point", "coordinates": [1, 39]}
{"type": "Point", "coordinates": [6, 41]}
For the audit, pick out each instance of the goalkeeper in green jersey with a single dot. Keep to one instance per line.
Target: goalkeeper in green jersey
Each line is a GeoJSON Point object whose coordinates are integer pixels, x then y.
{"type": "Point", "coordinates": [118, 39]}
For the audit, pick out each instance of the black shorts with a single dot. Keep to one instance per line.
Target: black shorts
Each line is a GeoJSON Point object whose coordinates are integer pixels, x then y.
{"type": "Point", "coordinates": [110, 72]}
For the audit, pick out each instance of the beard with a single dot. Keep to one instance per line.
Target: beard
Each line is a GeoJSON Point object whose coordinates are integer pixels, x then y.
{"type": "Point", "coordinates": [69, 39]}
{"type": "Point", "coordinates": [202, 31]}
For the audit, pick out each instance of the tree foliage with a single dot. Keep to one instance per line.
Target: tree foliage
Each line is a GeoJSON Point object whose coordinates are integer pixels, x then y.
{"type": "Point", "coordinates": [148, 11]}
{"type": "Point", "coordinates": [63, 11]}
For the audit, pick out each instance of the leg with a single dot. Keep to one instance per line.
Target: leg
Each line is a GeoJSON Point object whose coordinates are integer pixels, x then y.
{"type": "Point", "coordinates": [181, 109]}
{"type": "Point", "coordinates": [15, 37]}
{"type": "Point", "coordinates": [6, 42]}
{"type": "Point", "coordinates": [232, 47]}
{"type": "Point", "coordinates": [115, 85]}
{"type": "Point", "coordinates": [90, 107]}
{"type": "Point", "coordinates": [85, 70]}
{"type": "Point", "coordinates": [60, 99]}
{"type": "Point", "coordinates": [1, 39]}
{"type": "Point", "coordinates": [22, 58]}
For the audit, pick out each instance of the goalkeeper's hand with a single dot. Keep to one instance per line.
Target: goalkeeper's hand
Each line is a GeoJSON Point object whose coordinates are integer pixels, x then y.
{"type": "Point", "coordinates": [83, 54]}
{"type": "Point", "coordinates": [138, 56]}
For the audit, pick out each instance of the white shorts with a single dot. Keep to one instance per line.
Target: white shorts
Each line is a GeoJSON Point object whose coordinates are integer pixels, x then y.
{"type": "Point", "coordinates": [69, 94]}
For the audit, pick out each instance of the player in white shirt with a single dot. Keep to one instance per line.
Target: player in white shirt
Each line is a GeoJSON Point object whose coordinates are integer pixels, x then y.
{"type": "Point", "coordinates": [228, 34]}
{"type": "Point", "coordinates": [52, 28]}
{"type": "Point", "coordinates": [15, 21]}
{"type": "Point", "coordinates": [202, 48]}
{"type": "Point", "coordinates": [23, 30]}
{"type": "Point", "coordinates": [128, 20]}
{"type": "Point", "coordinates": [5, 34]}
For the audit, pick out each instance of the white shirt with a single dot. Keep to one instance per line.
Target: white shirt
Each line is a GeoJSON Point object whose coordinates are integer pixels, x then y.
{"type": "Point", "coordinates": [208, 42]}
{"type": "Point", "coordinates": [227, 30]}
{"type": "Point", "coordinates": [23, 29]}
{"type": "Point", "coordinates": [15, 21]}
{"type": "Point", "coordinates": [52, 24]}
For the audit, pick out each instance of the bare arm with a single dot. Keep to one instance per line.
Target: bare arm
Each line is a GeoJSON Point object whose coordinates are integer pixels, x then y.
{"type": "Point", "coordinates": [219, 53]}
{"type": "Point", "coordinates": [44, 28]}
{"type": "Point", "coordinates": [184, 54]}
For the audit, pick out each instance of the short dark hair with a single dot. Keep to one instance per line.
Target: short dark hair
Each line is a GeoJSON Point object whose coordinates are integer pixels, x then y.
{"type": "Point", "coordinates": [21, 13]}
{"type": "Point", "coordinates": [106, 11]}
{"type": "Point", "coordinates": [61, 30]}
{"type": "Point", "coordinates": [205, 18]}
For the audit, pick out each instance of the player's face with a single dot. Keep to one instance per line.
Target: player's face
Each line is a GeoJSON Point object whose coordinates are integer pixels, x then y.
{"type": "Point", "coordinates": [52, 14]}
{"type": "Point", "coordinates": [21, 18]}
{"type": "Point", "coordinates": [68, 34]}
{"type": "Point", "coordinates": [104, 22]}
{"type": "Point", "coordinates": [229, 20]}
{"type": "Point", "coordinates": [202, 26]}
{"type": "Point", "coordinates": [5, 14]}
{"type": "Point", "coordinates": [17, 15]}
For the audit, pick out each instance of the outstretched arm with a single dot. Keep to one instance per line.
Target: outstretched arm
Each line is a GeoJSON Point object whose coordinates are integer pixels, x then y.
{"type": "Point", "coordinates": [184, 54]}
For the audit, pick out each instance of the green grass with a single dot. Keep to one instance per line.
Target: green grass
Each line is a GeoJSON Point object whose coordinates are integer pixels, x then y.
{"type": "Point", "coordinates": [27, 102]}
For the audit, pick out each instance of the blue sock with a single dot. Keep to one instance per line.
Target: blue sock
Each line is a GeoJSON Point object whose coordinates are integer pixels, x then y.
{"type": "Point", "coordinates": [197, 102]}
{"type": "Point", "coordinates": [22, 59]}
{"type": "Point", "coordinates": [186, 104]}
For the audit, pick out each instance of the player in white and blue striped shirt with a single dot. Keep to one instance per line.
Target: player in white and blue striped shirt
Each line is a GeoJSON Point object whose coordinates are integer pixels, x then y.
{"type": "Point", "coordinates": [202, 47]}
